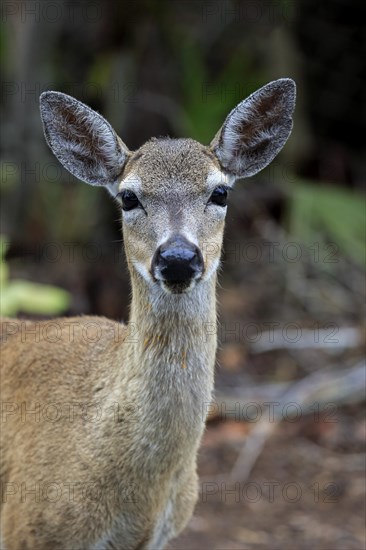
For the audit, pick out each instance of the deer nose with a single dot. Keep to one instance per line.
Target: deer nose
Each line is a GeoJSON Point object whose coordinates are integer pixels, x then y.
{"type": "Point", "coordinates": [178, 261]}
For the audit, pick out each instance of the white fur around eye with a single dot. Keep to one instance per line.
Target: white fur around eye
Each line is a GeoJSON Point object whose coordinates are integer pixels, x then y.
{"type": "Point", "coordinates": [133, 216]}
{"type": "Point", "coordinates": [132, 182]}
{"type": "Point", "coordinates": [216, 210]}
{"type": "Point", "coordinates": [216, 177]}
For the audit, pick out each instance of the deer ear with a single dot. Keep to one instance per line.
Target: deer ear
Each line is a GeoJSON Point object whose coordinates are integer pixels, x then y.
{"type": "Point", "coordinates": [257, 129]}
{"type": "Point", "coordinates": [82, 140]}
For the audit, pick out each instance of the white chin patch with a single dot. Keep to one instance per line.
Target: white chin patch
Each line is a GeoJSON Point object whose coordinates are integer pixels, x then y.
{"type": "Point", "coordinates": [143, 271]}
{"type": "Point", "coordinates": [213, 267]}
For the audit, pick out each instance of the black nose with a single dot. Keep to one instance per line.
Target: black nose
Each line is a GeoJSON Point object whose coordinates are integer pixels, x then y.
{"type": "Point", "coordinates": [177, 260]}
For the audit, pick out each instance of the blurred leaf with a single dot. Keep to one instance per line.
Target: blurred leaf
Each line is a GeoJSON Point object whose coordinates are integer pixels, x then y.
{"type": "Point", "coordinates": [100, 73]}
{"type": "Point", "coordinates": [317, 211]}
{"type": "Point", "coordinates": [207, 101]}
{"type": "Point", "coordinates": [4, 274]}
{"type": "Point", "coordinates": [65, 209]}
{"type": "Point", "coordinates": [9, 175]}
{"type": "Point", "coordinates": [29, 297]}
{"type": "Point", "coordinates": [4, 245]}
{"type": "Point", "coordinates": [4, 270]}
{"type": "Point", "coordinates": [33, 298]}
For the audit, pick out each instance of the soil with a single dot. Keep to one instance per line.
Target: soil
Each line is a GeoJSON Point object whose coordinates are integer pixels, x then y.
{"type": "Point", "coordinates": [300, 495]}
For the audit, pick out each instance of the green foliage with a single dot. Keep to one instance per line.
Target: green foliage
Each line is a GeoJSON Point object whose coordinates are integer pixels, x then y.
{"type": "Point", "coordinates": [9, 178]}
{"type": "Point", "coordinates": [100, 72]}
{"type": "Point", "coordinates": [207, 100]}
{"type": "Point", "coordinates": [19, 295]}
{"type": "Point", "coordinates": [68, 211]}
{"type": "Point", "coordinates": [318, 212]}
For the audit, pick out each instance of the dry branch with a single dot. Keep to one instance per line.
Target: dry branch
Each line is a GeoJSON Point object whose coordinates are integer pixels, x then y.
{"type": "Point", "coordinates": [324, 387]}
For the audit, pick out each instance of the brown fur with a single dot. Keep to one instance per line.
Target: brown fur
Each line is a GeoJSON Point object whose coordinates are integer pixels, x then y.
{"type": "Point", "coordinates": [101, 406]}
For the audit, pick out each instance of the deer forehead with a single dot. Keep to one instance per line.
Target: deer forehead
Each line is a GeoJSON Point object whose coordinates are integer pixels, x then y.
{"type": "Point", "coordinates": [161, 165]}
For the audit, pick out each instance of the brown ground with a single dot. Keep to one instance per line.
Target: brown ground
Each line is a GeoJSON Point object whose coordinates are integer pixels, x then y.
{"type": "Point", "coordinates": [302, 493]}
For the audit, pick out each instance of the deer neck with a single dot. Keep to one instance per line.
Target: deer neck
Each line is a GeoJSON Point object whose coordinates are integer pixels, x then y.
{"type": "Point", "coordinates": [169, 327]}
{"type": "Point", "coordinates": [172, 351]}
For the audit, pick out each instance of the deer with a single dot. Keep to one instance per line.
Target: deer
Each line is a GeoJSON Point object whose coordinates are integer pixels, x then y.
{"type": "Point", "coordinates": [101, 421]}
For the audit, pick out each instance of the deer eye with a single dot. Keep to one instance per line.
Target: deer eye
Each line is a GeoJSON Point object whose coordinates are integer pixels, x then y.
{"type": "Point", "coordinates": [219, 196]}
{"type": "Point", "coordinates": [129, 200]}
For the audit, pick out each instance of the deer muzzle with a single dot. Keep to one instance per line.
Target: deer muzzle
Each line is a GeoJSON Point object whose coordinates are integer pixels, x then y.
{"type": "Point", "coordinates": [177, 263]}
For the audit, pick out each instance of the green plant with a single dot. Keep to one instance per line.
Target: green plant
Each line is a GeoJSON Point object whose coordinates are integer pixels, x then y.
{"type": "Point", "coordinates": [329, 213]}
{"type": "Point", "coordinates": [19, 295]}
{"type": "Point", "coordinates": [206, 100]}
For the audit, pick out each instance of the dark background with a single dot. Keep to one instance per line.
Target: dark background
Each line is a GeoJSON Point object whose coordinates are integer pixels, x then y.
{"type": "Point", "coordinates": [292, 284]}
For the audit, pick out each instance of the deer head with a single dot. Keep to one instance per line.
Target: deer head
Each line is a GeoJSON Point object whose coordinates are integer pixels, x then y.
{"type": "Point", "coordinates": [172, 192]}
